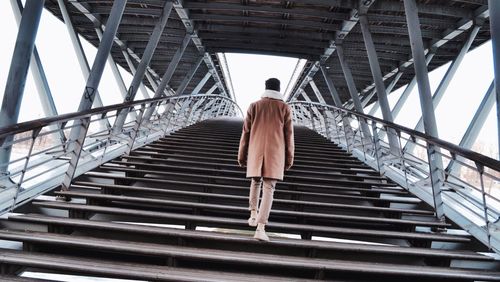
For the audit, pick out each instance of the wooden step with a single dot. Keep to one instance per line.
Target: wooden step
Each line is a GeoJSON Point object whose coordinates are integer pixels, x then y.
{"type": "Point", "coordinates": [202, 152]}
{"type": "Point", "coordinates": [234, 149]}
{"type": "Point", "coordinates": [241, 172]}
{"type": "Point", "coordinates": [332, 219]}
{"type": "Point", "coordinates": [229, 191]}
{"type": "Point", "coordinates": [244, 199]}
{"type": "Point", "coordinates": [216, 239]}
{"type": "Point", "coordinates": [279, 185]}
{"type": "Point", "coordinates": [210, 221]}
{"type": "Point", "coordinates": [123, 270]}
{"type": "Point", "coordinates": [306, 165]}
{"type": "Point", "coordinates": [294, 170]}
{"type": "Point", "coordinates": [256, 261]}
{"type": "Point", "coordinates": [175, 140]}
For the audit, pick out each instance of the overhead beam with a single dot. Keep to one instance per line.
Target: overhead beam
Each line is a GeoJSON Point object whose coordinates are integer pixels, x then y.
{"type": "Point", "coordinates": [448, 35]}
{"type": "Point", "coordinates": [258, 8]}
{"type": "Point", "coordinates": [344, 30]}
{"type": "Point", "coordinates": [190, 28]}
{"type": "Point", "coordinates": [277, 20]}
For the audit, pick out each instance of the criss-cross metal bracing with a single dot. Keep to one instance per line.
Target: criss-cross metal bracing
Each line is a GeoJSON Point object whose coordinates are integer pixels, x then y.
{"type": "Point", "coordinates": [306, 29]}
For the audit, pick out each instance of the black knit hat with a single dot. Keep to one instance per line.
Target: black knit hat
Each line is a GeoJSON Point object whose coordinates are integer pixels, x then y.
{"type": "Point", "coordinates": [273, 84]}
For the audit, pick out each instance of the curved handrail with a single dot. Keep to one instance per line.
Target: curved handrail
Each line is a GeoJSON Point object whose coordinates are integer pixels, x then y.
{"type": "Point", "coordinates": [453, 193]}
{"type": "Point", "coordinates": [33, 124]}
{"type": "Point", "coordinates": [466, 153]}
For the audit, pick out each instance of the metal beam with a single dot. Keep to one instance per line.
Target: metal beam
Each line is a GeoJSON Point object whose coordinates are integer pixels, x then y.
{"type": "Point", "coordinates": [143, 64]}
{"type": "Point", "coordinates": [345, 29]}
{"type": "Point", "coordinates": [212, 89]}
{"type": "Point", "coordinates": [409, 88]}
{"type": "Point", "coordinates": [18, 71]}
{"type": "Point", "coordinates": [84, 9]}
{"type": "Point", "coordinates": [331, 87]}
{"type": "Point", "coordinates": [353, 91]}
{"type": "Point", "coordinates": [79, 52]}
{"type": "Point", "coordinates": [259, 8]}
{"type": "Point", "coordinates": [79, 131]}
{"type": "Point", "coordinates": [475, 126]}
{"type": "Point", "coordinates": [190, 28]}
{"type": "Point", "coordinates": [148, 53]}
{"type": "Point", "coordinates": [36, 67]}
{"type": "Point", "coordinates": [417, 48]}
{"type": "Point", "coordinates": [448, 35]}
{"type": "Point", "coordinates": [202, 83]}
{"type": "Point", "coordinates": [132, 68]}
{"type": "Point", "coordinates": [445, 81]}
{"type": "Point", "coordinates": [189, 76]}
{"type": "Point", "coordinates": [172, 65]}
{"type": "Point", "coordinates": [495, 42]}
{"type": "Point", "coordinates": [114, 68]}
{"type": "Point", "coordinates": [277, 21]}
{"type": "Point", "coordinates": [379, 82]}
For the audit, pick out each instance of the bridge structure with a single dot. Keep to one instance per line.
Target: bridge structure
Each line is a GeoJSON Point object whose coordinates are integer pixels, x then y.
{"type": "Point", "coordinates": [98, 192]}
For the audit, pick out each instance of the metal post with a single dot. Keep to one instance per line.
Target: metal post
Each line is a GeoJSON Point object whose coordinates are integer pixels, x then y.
{"type": "Point", "coordinates": [79, 132]}
{"type": "Point", "coordinates": [141, 68]}
{"type": "Point", "coordinates": [131, 66]}
{"type": "Point", "coordinates": [352, 88]}
{"type": "Point", "coordinates": [16, 80]}
{"type": "Point", "coordinates": [450, 73]}
{"type": "Point", "coordinates": [417, 48]}
{"type": "Point", "coordinates": [211, 90]}
{"type": "Point", "coordinates": [494, 7]}
{"type": "Point", "coordinates": [475, 125]}
{"type": "Point", "coordinates": [189, 76]}
{"type": "Point", "coordinates": [173, 65]}
{"type": "Point", "coordinates": [409, 88]}
{"type": "Point", "coordinates": [169, 72]}
{"type": "Point", "coordinates": [148, 52]}
{"type": "Point", "coordinates": [379, 81]}
{"type": "Point", "coordinates": [391, 86]}
{"type": "Point", "coordinates": [80, 54]}
{"type": "Point", "coordinates": [114, 70]}
{"type": "Point", "coordinates": [331, 87]}
{"type": "Point", "coordinates": [36, 67]}
{"type": "Point", "coordinates": [202, 83]}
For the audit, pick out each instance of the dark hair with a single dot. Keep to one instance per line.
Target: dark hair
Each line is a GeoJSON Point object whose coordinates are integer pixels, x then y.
{"type": "Point", "coordinates": [273, 84]}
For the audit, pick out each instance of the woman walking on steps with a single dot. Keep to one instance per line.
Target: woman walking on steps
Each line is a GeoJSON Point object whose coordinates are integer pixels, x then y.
{"type": "Point", "coordinates": [266, 149]}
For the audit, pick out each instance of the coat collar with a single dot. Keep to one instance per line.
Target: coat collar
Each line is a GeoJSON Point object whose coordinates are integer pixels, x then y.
{"type": "Point", "coordinates": [272, 94]}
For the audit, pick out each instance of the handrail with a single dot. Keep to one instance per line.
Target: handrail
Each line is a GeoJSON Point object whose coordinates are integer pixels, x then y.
{"type": "Point", "coordinates": [42, 122]}
{"type": "Point", "coordinates": [459, 194]}
{"type": "Point", "coordinates": [42, 160]}
{"type": "Point", "coordinates": [466, 153]}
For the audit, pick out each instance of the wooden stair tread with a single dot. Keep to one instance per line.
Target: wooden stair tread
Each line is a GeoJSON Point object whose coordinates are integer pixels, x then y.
{"type": "Point", "coordinates": [242, 239]}
{"type": "Point", "coordinates": [275, 212]}
{"type": "Point", "coordinates": [243, 223]}
{"type": "Point", "coordinates": [267, 260]}
{"type": "Point", "coordinates": [123, 270]}
{"type": "Point", "coordinates": [245, 198]}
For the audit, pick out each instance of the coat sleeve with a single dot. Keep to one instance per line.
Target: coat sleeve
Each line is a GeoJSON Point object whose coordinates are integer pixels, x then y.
{"type": "Point", "coordinates": [245, 136]}
{"type": "Point", "coordinates": [289, 139]}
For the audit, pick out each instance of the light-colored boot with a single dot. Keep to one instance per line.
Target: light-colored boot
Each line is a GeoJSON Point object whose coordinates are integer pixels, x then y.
{"type": "Point", "coordinates": [260, 233]}
{"type": "Point", "coordinates": [252, 221]}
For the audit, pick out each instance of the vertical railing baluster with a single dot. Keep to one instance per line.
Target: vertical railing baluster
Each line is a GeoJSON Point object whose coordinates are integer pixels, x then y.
{"type": "Point", "coordinates": [480, 170]}
{"type": "Point", "coordinates": [34, 135]}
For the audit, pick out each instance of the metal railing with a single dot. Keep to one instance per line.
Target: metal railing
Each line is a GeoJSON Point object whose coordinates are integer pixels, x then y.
{"type": "Point", "coordinates": [460, 184]}
{"type": "Point", "coordinates": [40, 151]}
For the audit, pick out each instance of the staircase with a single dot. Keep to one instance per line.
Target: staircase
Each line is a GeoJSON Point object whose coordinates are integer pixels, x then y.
{"type": "Point", "coordinates": [177, 209]}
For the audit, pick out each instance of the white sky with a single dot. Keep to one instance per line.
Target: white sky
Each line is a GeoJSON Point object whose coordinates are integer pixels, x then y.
{"type": "Point", "coordinates": [248, 73]}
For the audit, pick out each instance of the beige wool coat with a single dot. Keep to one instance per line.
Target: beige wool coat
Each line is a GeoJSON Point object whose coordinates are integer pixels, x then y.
{"type": "Point", "coordinates": [267, 143]}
